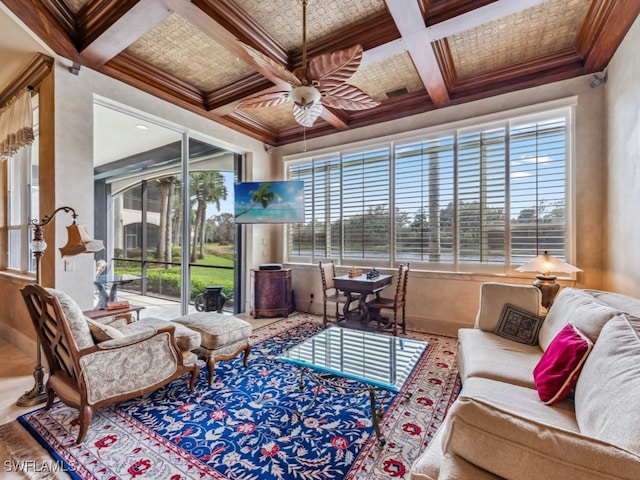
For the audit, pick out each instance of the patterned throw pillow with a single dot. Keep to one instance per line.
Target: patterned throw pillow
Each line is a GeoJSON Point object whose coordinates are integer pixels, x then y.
{"type": "Point", "coordinates": [557, 371]}
{"type": "Point", "coordinates": [519, 325]}
{"type": "Point", "coordinates": [102, 332]}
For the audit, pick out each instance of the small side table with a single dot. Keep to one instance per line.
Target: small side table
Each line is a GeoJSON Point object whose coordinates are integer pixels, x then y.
{"type": "Point", "coordinates": [125, 313]}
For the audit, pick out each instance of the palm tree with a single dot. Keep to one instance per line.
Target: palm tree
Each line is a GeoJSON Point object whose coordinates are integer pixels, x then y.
{"type": "Point", "coordinates": [167, 188]}
{"type": "Point", "coordinates": [263, 196]}
{"type": "Point", "coordinates": [207, 187]}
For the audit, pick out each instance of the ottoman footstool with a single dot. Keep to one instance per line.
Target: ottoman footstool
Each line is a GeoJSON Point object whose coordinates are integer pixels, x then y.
{"type": "Point", "coordinates": [223, 337]}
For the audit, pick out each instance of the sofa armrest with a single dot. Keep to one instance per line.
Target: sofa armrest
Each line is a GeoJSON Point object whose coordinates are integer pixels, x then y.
{"type": "Point", "coordinates": [111, 372]}
{"type": "Point", "coordinates": [494, 296]}
{"type": "Point", "coordinates": [513, 446]}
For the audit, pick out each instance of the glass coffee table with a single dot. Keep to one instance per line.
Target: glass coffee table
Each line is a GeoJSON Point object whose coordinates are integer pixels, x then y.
{"type": "Point", "coordinates": [375, 361]}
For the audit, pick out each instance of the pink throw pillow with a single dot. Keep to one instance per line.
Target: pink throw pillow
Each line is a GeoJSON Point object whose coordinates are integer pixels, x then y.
{"type": "Point", "coordinates": [557, 371]}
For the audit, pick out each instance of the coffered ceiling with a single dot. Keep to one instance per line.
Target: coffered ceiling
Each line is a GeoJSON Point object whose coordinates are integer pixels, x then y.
{"type": "Point", "coordinates": [419, 55]}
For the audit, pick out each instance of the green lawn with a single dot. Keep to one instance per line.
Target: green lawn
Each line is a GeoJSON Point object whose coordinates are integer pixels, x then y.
{"type": "Point", "coordinates": [167, 281]}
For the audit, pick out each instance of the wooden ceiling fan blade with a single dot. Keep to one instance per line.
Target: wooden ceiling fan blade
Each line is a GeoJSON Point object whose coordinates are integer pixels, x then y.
{"type": "Point", "coordinates": [336, 66]}
{"type": "Point", "coordinates": [307, 116]}
{"type": "Point", "coordinates": [348, 97]}
{"type": "Point", "coordinates": [265, 100]}
{"type": "Point", "coordinates": [269, 68]}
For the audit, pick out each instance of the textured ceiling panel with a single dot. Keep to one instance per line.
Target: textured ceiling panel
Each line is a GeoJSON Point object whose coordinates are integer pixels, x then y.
{"type": "Point", "coordinates": [387, 75]}
{"type": "Point", "coordinates": [536, 31]}
{"type": "Point", "coordinates": [76, 5]}
{"type": "Point", "coordinates": [278, 117]}
{"type": "Point", "coordinates": [283, 18]}
{"type": "Point", "coordinates": [182, 50]}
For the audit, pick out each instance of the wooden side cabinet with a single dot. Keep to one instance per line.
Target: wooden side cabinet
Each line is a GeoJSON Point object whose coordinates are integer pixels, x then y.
{"type": "Point", "coordinates": [271, 293]}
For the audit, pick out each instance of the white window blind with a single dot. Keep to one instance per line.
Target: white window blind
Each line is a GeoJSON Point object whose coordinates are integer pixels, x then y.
{"type": "Point", "coordinates": [424, 194]}
{"type": "Point", "coordinates": [365, 205]}
{"type": "Point", "coordinates": [479, 198]}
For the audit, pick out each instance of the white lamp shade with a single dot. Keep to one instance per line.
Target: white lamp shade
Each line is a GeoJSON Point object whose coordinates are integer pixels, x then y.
{"type": "Point", "coordinates": [547, 264]}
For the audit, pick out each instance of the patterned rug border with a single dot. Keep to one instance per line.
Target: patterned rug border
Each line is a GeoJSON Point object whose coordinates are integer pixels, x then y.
{"type": "Point", "coordinates": [371, 461]}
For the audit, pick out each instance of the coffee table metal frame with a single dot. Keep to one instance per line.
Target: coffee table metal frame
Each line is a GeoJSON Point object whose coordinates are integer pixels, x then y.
{"type": "Point", "coordinates": [375, 361]}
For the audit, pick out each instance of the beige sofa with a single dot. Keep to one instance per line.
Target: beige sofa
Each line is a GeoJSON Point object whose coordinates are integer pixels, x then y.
{"type": "Point", "coordinates": [499, 428]}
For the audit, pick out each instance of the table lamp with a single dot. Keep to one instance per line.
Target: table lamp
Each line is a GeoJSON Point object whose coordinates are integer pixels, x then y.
{"type": "Point", "coordinates": [78, 242]}
{"type": "Point", "coordinates": [547, 264]}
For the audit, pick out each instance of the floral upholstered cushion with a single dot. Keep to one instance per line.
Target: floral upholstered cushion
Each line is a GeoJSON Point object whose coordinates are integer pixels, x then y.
{"type": "Point", "coordinates": [75, 319]}
{"type": "Point", "coordinates": [102, 332]}
{"type": "Point", "coordinates": [217, 330]}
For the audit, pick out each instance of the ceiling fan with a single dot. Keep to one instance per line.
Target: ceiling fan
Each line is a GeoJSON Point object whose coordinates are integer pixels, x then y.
{"type": "Point", "coordinates": [312, 87]}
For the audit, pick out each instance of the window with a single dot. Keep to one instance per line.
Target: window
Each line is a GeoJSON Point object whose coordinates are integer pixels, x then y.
{"type": "Point", "coordinates": [475, 198]}
{"type": "Point", "coordinates": [22, 205]}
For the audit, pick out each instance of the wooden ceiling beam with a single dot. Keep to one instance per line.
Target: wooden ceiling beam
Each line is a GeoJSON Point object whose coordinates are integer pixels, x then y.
{"type": "Point", "coordinates": [219, 34]}
{"type": "Point", "coordinates": [437, 11]}
{"type": "Point", "coordinates": [52, 23]}
{"type": "Point", "coordinates": [114, 26]}
{"type": "Point", "coordinates": [616, 16]}
{"type": "Point", "coordinates": [408, 17]}
{"type": "Point", "coordinates": [521, 73]}
{"type": "Point", "coordinates": [233, 19]}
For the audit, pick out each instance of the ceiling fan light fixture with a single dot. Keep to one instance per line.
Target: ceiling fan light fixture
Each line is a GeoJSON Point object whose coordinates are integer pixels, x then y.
{"type": "Point", "coordinates": [305, 95]}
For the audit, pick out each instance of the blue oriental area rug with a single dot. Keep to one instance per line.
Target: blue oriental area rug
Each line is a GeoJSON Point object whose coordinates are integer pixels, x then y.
{"type": "Point", "coordinates": [247, 426]}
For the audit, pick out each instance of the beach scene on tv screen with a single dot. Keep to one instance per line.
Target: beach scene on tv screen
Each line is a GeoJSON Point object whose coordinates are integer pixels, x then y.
{"type": "Point", "coordinates": [269, 202]}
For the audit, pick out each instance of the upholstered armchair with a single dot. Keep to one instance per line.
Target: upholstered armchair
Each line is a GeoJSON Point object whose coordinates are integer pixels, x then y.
{"type": "Point", "coordinates": [87, 375]}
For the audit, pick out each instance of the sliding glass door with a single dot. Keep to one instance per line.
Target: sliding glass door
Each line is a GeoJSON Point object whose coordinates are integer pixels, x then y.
{"type": "Point", "coordinates": [168, 241]}
{"type": "Point", "coordinates": [212, 243]}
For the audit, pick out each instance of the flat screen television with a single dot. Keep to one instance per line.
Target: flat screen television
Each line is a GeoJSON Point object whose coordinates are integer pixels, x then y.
{"type": "Point", "coordinates": [269, 202]}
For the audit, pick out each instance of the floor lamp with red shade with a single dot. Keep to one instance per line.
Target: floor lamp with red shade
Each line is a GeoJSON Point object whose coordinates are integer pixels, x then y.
{"type": "Point", "coordinates": [78, 242]}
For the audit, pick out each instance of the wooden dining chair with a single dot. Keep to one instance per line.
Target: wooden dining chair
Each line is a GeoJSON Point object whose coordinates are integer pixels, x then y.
{"type": "Point", "coordinates": [396, 303]}
{"type": "Point", "coordinates": [330, 294]}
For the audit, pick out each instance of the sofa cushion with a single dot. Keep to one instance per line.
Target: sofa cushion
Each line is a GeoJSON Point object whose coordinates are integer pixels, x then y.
{"type": "Point", "coordinates": [494, 296]}
{"type": "Point", "coordinates": [486, 355]}
{"type": "Point", "coordinates": [102, 332]}
{"type": "Point", "coordinates": [519, 325]}
{"type": "Point", "coordinates": [606, 395]}
{"type": "Point", "coordinates": [427, 465]}
{"type": "Point", "coordinates": [579, 308]}
{"type": "Point", "coordinates": [557, 371]}
{"type": "Point", "coordinates": [75, 319]}
{"type": "Point", "coordinates": [530, 446]}
{"type": "Point", "coordinates": [624, 303]}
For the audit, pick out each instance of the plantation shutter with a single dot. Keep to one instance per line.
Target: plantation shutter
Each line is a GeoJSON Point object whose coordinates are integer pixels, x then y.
{"type": "Point", "coordinates": [538, 166]}
{"type": "Point", "coordinates": [301, 234]}
{"type": "Point", "coordinates": [481, 195]}
{"type": "Point", "coordinates": [365, 205]}
{"type": "Point", "coordinates": [480, 198]}
{"type": "Point", "coordinates": [424, 180]}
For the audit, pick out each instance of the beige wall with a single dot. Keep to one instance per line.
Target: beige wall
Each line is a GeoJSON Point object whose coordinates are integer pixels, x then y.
{"type": "Point", "coordinates": [622, 219]}
{"type": "Point", "coordinates": [439, 302]}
